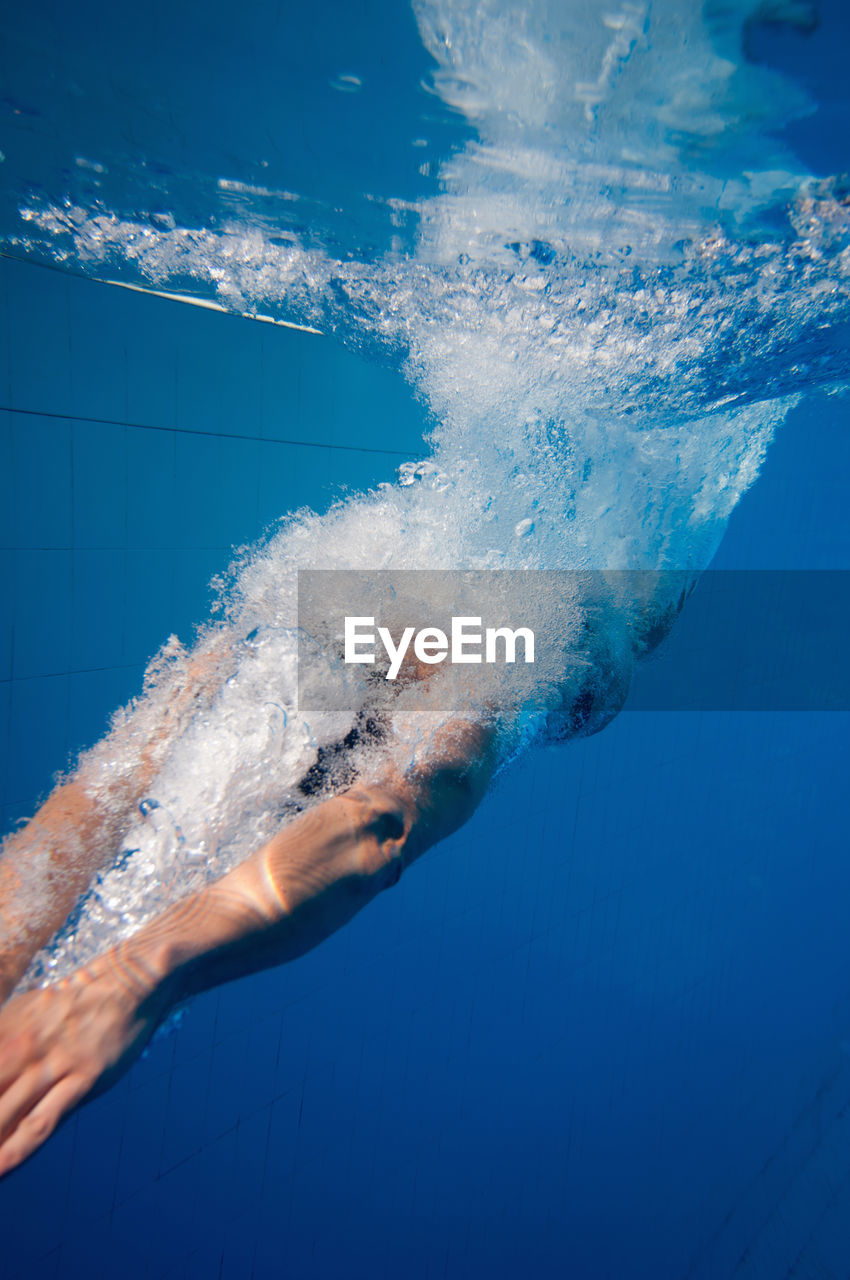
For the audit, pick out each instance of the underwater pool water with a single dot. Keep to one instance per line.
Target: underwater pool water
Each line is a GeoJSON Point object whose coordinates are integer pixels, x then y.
{"type": "Point", "coordinates": [592, 264]}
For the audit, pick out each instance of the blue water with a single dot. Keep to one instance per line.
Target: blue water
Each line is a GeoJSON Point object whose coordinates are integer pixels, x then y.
{"type": "Point", "coordinates": [603, 1031]}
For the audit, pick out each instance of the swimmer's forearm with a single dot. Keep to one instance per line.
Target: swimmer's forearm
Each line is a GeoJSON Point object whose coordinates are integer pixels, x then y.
{"type": "Point", "coordinates": [293, 893]}
{"type": "Point", "coordinates": [309, 880]}
{"type": "Point", "coordinates": [43, 870]}
{"type": "Point", "coordinates": [49, 863]}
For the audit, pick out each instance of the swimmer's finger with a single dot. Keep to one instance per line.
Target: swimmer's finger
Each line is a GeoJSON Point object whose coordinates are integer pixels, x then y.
{"type": "Point", "coordinates": [37, 1126]}
{"type": "Point", "coordinates": [13, 1055]}
{"type": "Point", "coordinates": [25, 1025]}
{"type": "Point", "coordinates": [18, 1047]}
{"type": "Point", "coordinates": [21, 1096]}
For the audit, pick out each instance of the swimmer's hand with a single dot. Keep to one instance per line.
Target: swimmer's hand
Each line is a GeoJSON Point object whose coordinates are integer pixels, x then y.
{"type": "Point", "coordinates": [56, 1044]}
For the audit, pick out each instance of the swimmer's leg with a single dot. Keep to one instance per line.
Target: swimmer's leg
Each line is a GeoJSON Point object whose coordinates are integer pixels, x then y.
{"type": "Point", "coordinates": [310, 879]}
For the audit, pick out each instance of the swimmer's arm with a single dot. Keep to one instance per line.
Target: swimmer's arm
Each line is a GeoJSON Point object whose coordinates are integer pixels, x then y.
{"type": "Point", "coordinates": [315, 874]}
{"type": "Point", "coordinates": [43, 870]}
{"type": "Point", "coordinates": [306, 882]}
{"type": "Point", "coordinates": [48, 864]}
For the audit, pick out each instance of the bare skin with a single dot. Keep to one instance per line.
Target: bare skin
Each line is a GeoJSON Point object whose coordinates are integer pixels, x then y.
{"type": "Point", "coordinates": [75, 832]}
{"type": "Point", "coordinates": [57, 1043]}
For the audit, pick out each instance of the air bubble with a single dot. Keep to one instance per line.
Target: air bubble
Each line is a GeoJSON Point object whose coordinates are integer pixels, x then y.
{"type": "Point", "coordinates": [426, 473]}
